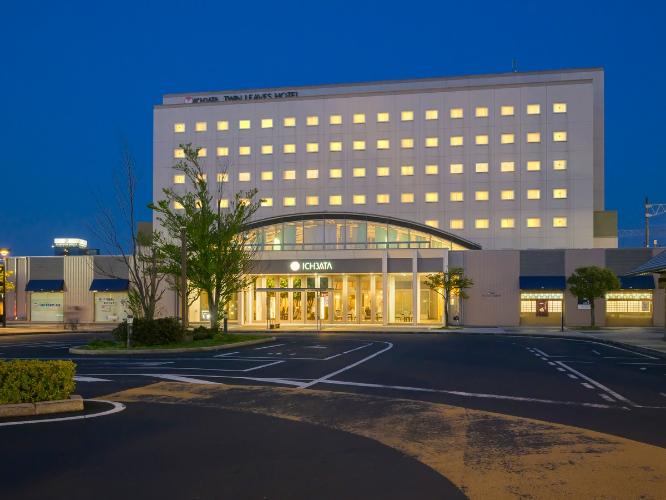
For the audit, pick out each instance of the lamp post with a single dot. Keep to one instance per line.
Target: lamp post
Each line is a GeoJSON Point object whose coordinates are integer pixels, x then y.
{"type": "Point", "coordinates": [4, 253]}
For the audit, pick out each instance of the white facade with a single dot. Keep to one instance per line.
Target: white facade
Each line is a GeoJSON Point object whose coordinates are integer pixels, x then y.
{"type": "Point", "coordinates": [482, 157]}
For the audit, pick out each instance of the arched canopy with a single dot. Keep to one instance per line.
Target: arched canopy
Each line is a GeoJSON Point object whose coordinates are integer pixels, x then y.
{"type": "Point", "coordinates": [348, 230]}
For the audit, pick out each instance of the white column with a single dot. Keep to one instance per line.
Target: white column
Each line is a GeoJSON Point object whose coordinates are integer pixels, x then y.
{"type": "Point", "coordinates": [416, 305]}
{"type": "Point", "coordinates": [385, 288]}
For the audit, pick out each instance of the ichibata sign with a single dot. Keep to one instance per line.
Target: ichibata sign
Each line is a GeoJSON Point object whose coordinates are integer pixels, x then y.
{"type": "Point", "coordinates": [241, 97]}
{"type": "Point", "coordinates": [311, 265]}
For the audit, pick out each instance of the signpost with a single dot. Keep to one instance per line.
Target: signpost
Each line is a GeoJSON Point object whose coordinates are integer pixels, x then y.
{"type": "Point", "coordinates": [130, 321]}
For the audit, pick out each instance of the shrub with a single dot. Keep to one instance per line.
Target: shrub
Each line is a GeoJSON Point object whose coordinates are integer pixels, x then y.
{"type": "Point", "coordinates": [201, 333]}
{"type": "Point", "coordinates": [30, 381]}
{"type": "Point", "coordinates": [151, 331]}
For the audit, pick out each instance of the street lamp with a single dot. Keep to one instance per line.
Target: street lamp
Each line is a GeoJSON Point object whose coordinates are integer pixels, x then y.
{"type": "Point", "coordinates": [4, 253]}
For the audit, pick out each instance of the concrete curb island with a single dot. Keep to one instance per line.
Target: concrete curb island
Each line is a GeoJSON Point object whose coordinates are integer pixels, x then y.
{"type": "Point", "coordinates": [221, 347]}
{"type": "Point", "coordinates": [74, 403]}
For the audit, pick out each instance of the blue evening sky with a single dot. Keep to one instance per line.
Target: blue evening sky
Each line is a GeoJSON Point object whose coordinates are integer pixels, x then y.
{"type": "Point", "coordinates": [78, 78]}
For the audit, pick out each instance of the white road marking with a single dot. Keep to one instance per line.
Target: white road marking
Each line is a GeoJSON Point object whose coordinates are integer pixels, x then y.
{"type": "Point", "coordinates": [153, 363]}
{"type": "Point", "coordinates": [389, 345]}
{"type": "Point", "coordinates": [315, 347]}
{"type": "Point", "coordinates": [551, 363]}
{"type": "Point", "coordinates": [596, 352]}
{"type": "Point", "coordinates": [267, 347]}
{"type": "Point", "coordinates": [81, 378]}
{"type": "Point", "coordinates": [178, 378]}
{"type": "Point", "coordinates": [617, 396]}
{"type": "Point", "coordinates": [606, 397]}
{"type": "Point", "coordinates": [262, 366]}
{"type": "Point", "coordinates": [646, 363]}
{"type": "Point", "coordinates": [116, 408]}
{"type": "Point", "coordinates": [541, 352]}
{"type": "Point", "coordinates": [572, 376]}
{"type": "Point", "coordinates": [347, 352]}
{"type": "Point", "coordinates": [587, 386]}
{"type": "Point", "coordinates": [226, 354]}
{"type": "Point", "coordinates": [561, 369]}
{"type": "Point", "coordinates": [465, 394]}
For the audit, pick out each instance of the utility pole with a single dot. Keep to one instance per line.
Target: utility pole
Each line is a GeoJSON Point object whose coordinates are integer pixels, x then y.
{"type": "Point", "coordinates": [647, 223]}
{"type": "Point", "coordinates": [183, 277]}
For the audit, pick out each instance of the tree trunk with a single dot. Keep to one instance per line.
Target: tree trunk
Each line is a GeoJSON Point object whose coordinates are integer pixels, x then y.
{"type": "Point", "coordinates": [213, 314]}
{"type": "Point", "coordinates": [446, 310]}
{"type": "Point", "coordinates": [592, 313]}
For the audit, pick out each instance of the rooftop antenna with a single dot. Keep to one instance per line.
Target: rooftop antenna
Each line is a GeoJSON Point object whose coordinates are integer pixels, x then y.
{"type": "Point", "coordinates": [514, 65]}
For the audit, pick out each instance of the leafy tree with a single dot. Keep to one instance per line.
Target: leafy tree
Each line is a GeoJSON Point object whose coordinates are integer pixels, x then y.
{"type": "Point", "coordinates": [591, 283]}
{"type": "Point", "coordinates": [219, 249]}
{"type": "Point", "coordinates": [449, 284]}
{"type": "Point", "coordinates": [10, 285]}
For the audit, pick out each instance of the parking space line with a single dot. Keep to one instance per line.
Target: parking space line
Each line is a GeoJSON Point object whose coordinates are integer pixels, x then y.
{"type": "Point", "coordinates": [262, 366]}
{"type": "Point", "coordinates": [225, 354]}
{"type": "Point", "coordinates": [267, 347]}
{"type": "Point", "coordinates": [179, 378]}
{"type": "Point", "coordinates": [347, 352]}
{"type": "Point", "coordinates": [617, 396]}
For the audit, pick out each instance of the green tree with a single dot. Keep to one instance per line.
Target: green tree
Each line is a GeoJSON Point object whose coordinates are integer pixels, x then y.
{"type": "Point", "coordinates": [591, 283]}
{"type": "Point", "coordinates": [10, 285]}
{"type": "Point", "coordinates": [449, 284]}
{"type": "Point", "coordinates": [219, 249]}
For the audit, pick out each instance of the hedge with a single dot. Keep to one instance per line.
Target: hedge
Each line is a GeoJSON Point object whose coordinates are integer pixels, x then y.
{"type": "Point", "coordinates": [151, 331]}
{"type": "Point", "coordinates": [31, 381]}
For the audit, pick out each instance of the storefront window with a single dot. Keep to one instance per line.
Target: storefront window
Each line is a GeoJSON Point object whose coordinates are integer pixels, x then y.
{"type": "Point", "coordinates": [46, 306]}
{"type": "Point", "coordinates": [629, 308]}
{"type": "Point", "coordinates": [431, 305]}
{"type": "Point", "coordinates": [297, 299]}
{"type": "Point", "coordinates": [379, 299]}
{"type": "Point", "coordinates": [337, 298]}
{"type": "Point", "coordinates": [366, 299]}
{"type": "Point", "coordinates": [352, 290]}
{"type": "Point", "coordinates": [402, 302]}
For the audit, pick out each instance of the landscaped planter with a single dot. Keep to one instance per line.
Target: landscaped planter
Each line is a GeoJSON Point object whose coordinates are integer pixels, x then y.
{"type": "Point", "coordinates": [74, 403]}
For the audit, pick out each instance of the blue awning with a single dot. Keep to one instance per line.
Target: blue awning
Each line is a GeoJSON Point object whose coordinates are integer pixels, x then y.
{"type": "Point", "coordinates": [543, 283]}
{"type": "Point", "coordinates": [109, 285]}
{"type": "Point", "coordinates": [45, 286]}
{"type": "Point", "coordinates": [640, 282]}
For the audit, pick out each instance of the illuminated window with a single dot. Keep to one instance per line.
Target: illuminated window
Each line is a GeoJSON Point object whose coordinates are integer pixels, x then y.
{"type": "Point", "coordinates": [267, 149]}
{"type": "Point", "coordinates": [179, 153]}
{"type": "Point", "coordinates": [456, 168]}
{"type": "Point", "coordinates": [312, 121]}
{"type": "Point", "coordinates": [432, 223]}
{"type": "Point", "coordinates": [267, 175]}
{"type": "Point", "coordinates": [358, 172]}
{"type": "Point", "coordinates": [534, 194]}
{"type": "Point", "coordinates": [244, 124]}
{"type": "Point", "coordinates": [383, 117]}
{"type": "Point", "coordinates": [312, 173]}
{"type": "Point", "coordinates": [508, 194]}
{"type": "Point", "coordinates": [179, 128]}
{"type": "Point", "coordinates": [456, 140]}
{"type": "Point", "coordinates": [506, 111]}
{"type": "Point", "coordinates": [223, 177]}
{"type": "Point", "coordinates": [358, 199]}
{"type": "Point", "coordinates": [407, 116]}
{"type": "Point", "coordinates": [457, 196]}
{"type": "Point", "coordinates": [289, 149]}
{"type": "Point", "coordinates": [457, 224]}
{"type": "Point", "coordinates": [534, 109]}
{"type": "Point", "coordinates": [358, 118]}
{"type": "Point", "coordinates": [481, 224]}
{"type": "Point", "coordinates": [507, 223]}
{"type": "Point", "coordinates": [559, 164]}
{"type": "Point", "coordinates": [407, 198]}
{"type": "Point", "coordinates": [335, 199]}
{"type": "Point", "coordinates": [507, 138]}
{"type": "Point", "coordinates": [335, 173]}
{"type": "Point", "coordinates": [358, 145]}
{"type": "Point", "coordinates": [431, 169]}
{"type": "Point", "coordinates": [481, 167]}
{"type": "Point", "coordinates": [244, 176]}
{"type": "Point", "coordinates": [383, 198]}
{"type": "Point", "coordinates": [267, 123]}
{"type": "Point", "coordinates": [560, 193]}
{"type": "Point", "coordinates": [533, 165]}
{"type": "Point", "coordinates": [507, 166]}
{"type": "Point", "coordinates": [534, 137]}
{"type": "Point", "coordinates": [289, 201]}
{"type": "Point", "coordinates": [335, 146]}
{"type": "Point", "coordinates": [383, 144]}
{"type": "Point", "coordinates": [407, 170]}
{"type": "Point", "coordinates": [533, 222]}
{"type": "Point", "coordinates": [222, 125]}
{"type": "Point", "coordinates": [289, 175]}
{"type": "Point", "coordinates": [406, 143]}
{"type": "Point", "coordinates": [481, 112]}
{"type": "Point", "coordinates": [289, 121]}
{"type": "Point", "coordinates": [177, 205]}
{"type": "Point", "coordinates": [312, 201]}
{"type": "Point", "coordinates": [267, 202]}
{"type": "Point", "coordinates": [559, 222]}
{"type": "Point", "coordinates": [244, 150]}
{"type": "Point", "coordinates": [202, 152]}
{"type": "Point", "coordinates": [201, 126]}
{"type": "Point", "coordinates": [383, 171]}
{"type": "Point", "coordinates": [560, 136]}
{"type": "Point", "coordinates": [456, 113]}
{"type": "Point", "coordinates": [431, 114]}
{"type": "Point", "coordinates": [481, 195]}
{"type": "Point", "coordinates": [559, 107]}
{"type": "Point", "coordinates": [222, 151]}
{"type": "Point", "coordinates": [224, 203]}
{"type": "Point", "coordinates": [481, 140]}
{"type": "Point", "coordinates": [179, 179]}
{"type": "Point", "coordinates": [432, 197]}
{"type": "Point", "coordinates": [312, 147]}
{"type": "Point", "coordinates": [432, 142]}
{"type": "Point", "coordinates": [335, 120]}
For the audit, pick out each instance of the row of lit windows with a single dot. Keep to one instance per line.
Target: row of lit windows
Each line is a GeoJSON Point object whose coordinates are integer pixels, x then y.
{"type": "Point", "coordinates": [382, 144]}
{"type": "Point", "coordinates": [382, 117]}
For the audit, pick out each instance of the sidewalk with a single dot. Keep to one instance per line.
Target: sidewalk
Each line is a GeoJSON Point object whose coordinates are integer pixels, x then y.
{"type": "Point", "coordinates": [25, 328]}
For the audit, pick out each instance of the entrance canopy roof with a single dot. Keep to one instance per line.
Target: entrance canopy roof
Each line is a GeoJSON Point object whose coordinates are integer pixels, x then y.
{"type": "Point", "coordinates": [656, 264]}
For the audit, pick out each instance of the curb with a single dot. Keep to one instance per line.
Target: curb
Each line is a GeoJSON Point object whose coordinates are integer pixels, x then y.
{"type": "Point", "coordinates": [124, 352]}
{"type": "Point", "coordinates": [74, 403]}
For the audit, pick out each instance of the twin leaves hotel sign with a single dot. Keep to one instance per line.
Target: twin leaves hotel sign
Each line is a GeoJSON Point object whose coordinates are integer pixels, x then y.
{"type": "Point", "coordinates": [261, 96]}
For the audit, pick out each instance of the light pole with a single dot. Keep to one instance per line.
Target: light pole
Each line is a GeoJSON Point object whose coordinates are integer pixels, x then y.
{"type": "Point", "coordinates": [183, 277]}
{"type": "Point", "coordinates": [4, 253]}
